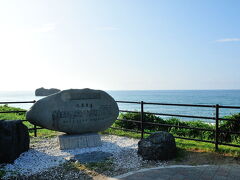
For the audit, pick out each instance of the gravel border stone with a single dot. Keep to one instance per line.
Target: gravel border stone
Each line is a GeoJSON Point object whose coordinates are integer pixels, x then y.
{"type": "Point", "coordinates": [45, 154]}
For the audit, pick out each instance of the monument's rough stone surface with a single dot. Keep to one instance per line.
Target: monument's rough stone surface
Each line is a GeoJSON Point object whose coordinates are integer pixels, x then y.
{"type": "Point", "coordinates": [75, 111]}
{"type": "Point", "coordinates": [14, 140]}
{"type": "Point", "coordinates": [158, 146]}
{"type": "Point", "coordinates": [45, 92]}
{"type": "Point", "coordinates": [79, 140]}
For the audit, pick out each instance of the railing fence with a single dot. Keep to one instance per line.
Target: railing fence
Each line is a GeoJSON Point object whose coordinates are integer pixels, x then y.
{"type": "Point", "coordinates": [216, 118]}
{"type": "Point", "coordinates": [142, 122]}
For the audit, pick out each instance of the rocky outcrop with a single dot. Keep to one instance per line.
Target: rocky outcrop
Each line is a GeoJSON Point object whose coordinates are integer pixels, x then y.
{"type": "Point", "coordinates": [14, 140]}
{"type": "Point", "coordinates": [158, 146]}
{"type": "Point", "coordinates": [46, 92]}
{"type": "Point", "coordinates": [75, 111]}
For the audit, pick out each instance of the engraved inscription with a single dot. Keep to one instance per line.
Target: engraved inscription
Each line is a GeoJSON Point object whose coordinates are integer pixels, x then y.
{"type": "Point", "coordinates": [76, 117]}
{"type": "Point", "coordinates": [83, 105]}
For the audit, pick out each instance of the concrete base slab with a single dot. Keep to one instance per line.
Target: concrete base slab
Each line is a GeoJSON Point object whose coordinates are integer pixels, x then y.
{"type": "Point", "coordinates": [79, 141]}
{"type": "Point", "coordinates": [89, 157]}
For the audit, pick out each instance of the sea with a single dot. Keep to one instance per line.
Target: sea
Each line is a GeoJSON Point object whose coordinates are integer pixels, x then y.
{"type": "Point", "coordinates": [199, 97]}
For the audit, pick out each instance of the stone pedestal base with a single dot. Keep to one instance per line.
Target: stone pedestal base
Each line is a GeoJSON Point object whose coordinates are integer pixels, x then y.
{"type": "Point", "coordinates": [79, 141]}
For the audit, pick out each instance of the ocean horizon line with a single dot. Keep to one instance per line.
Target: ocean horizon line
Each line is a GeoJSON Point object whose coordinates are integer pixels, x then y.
{"type": "Point", "coordinates": [134, 90]}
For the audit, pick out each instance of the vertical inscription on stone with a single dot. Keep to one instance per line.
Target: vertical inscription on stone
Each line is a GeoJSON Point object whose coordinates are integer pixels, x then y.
{"type": "Point", "coordinates": [73, 118]}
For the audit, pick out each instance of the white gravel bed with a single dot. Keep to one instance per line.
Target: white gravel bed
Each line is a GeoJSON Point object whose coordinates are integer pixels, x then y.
{"type": "Point", "coordinates": [45, 153]}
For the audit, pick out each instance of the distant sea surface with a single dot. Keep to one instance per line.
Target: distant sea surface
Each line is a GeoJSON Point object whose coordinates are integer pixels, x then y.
{"type": "Point", "coordinates": [209, 97]}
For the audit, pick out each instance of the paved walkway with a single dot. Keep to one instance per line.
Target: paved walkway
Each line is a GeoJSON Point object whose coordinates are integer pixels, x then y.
{"type": "Point", "coordinates": [204, 172]}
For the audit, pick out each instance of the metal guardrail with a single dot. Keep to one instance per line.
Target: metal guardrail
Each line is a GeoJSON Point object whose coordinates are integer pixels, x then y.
{"type": "Point", "coordinates": [216, 118]}
{"type": "Point", "coordinates": [35, 128]}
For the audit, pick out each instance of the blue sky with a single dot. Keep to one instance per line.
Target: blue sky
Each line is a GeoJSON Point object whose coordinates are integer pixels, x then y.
{"type": "Point", "coordinates": [120, 44]}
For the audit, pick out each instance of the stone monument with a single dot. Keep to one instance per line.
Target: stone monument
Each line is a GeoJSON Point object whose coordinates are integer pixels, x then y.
{"type": "Point", "coordinates": [80, 113]}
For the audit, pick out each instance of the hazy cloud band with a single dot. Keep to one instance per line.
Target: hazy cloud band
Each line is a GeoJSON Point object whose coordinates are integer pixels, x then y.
{"type": "Point", "coordinates": [228, 40]}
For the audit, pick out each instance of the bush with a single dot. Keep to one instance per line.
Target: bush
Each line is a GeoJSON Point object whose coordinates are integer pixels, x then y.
{"type": "Point", "coordinates": [137, 117]}
{"type": "Point", "coordinates": [233, 126]}
{"type": "Point", "coordinates": [192, 133]}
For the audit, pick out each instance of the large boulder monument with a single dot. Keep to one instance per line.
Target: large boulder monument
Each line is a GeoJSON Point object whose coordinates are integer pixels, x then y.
{"type": "Point", "coordinates": [80, 113]}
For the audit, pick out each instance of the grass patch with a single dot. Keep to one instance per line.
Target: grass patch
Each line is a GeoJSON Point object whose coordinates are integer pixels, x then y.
{"type": "Point", "coordinates": [207, 147]}
{"type": "Point", "coordinates": [11, 116]}
{"type": "Point", "coordinates": [93, 168]}
{"type": "Point", "coordinates": [100, 167]}
{"type": "Point", "coordinates": [44, 133]}
{"type": "Point", "coordinates": [22, 116]}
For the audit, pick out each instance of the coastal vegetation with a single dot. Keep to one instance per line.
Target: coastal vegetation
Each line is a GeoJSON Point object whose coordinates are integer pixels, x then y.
{"type": "Point", "coordinates": [233, 126]}
{"type": "Point", "coordinates": [181, 143]}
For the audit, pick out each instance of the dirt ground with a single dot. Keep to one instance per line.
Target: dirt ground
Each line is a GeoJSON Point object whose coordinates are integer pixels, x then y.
{"type": "Point", "coordinates": [202, 158]}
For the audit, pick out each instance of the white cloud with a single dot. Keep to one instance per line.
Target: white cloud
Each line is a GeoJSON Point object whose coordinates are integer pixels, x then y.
{"type": "Point", "coordinates": [228, 40]}
{"type": "Point", "coordinates": [45, 28]}
{"type": "Point", "coordinates": [107, 28]}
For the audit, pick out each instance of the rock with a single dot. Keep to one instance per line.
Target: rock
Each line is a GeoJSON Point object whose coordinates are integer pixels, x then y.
{"type": "Point", "coordinates": [75, 111]}
{"type": "Point", "coordinates": [14, 140]}
{"type": "Point", "coordinates": [45, 92]}
{"type": "Point", "coordinates": [158, 146]}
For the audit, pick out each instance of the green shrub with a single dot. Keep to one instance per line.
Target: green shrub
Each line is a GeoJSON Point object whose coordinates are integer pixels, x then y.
{"type": "Point", "coordinates": [192, 133]}
{"type": "Point", "coordinates": [233, 126]}
{"type": "Point", "coordinates": [137, 117]}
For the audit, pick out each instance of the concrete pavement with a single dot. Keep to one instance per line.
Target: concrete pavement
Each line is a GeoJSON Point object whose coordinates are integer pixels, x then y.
{"type": "Point", "coordinates": [183, 172]}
